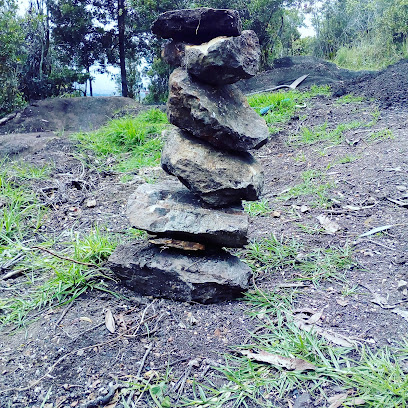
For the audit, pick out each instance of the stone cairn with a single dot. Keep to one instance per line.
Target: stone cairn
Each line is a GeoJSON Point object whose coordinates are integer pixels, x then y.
{"type": "Point", "coordinates": [207, 150]}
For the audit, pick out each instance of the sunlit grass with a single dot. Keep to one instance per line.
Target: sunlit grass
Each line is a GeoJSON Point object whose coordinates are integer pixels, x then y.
{"type": "Point", "coordinates": [132, 142]}
{"type": "Point", "coordinates": [283, 104]}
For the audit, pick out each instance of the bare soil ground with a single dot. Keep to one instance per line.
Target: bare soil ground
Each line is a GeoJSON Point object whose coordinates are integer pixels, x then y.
{"type": "Point", "coordinates": [70, 350]}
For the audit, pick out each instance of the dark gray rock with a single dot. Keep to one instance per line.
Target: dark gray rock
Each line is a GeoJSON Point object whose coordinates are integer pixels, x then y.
{"type": "Point", "coordinates": [173, 53]}
{"type": "Point", "coordinates": [195, 26]}
{"type": "Point", "coordinates": [224, 60]}
{"type": "Point", "coordinates": [220, 116]}
{"type": "Point", "coordinates": [219, 178]}
{"type": "Point", "coordinates": [152, 271]}
{"type": "Point", "coordinates": [168, 209]}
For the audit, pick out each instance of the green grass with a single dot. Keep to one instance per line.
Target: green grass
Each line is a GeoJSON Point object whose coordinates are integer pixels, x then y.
{"type": "Point", "coordinates": [20, 211]}
{"type": "Point", "coordinates": [343, 160]}
{"type": "Point", "coordinates": [54, 281]}
{"type": "Point", "coordinates": [375, 377]}
{"type": "Point", "coordinates": [257, 208]}
{"type": "Point", "coordinates": [383, 134]}
{"type": "Point", "coordinates": [312, 185]}
{"type": "Point", "coordinates": [322, 133]}
{"type": "Point", "coordinates": [132, 142]}
{"type": "Point", "coordinates": [283, 104]}
{"type": "Point", "coordinates": [349, 98]}
{"type": "Point", "coordinates": [268, 255]}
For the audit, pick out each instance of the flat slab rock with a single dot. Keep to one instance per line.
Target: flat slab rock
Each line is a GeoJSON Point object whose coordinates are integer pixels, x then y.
{"type": "Point", "coordinates": [195, 26]}
{"type": "Point", "coordinates": [219, 178]}
{"type": "Point", "coordinates": [219, 115]}
{"type": "Point", "coordinates": [169, 210]}
{"type": "Point", "coordinates": [224, 60]}
{"type": "Point", "coordinates": [152, 271]}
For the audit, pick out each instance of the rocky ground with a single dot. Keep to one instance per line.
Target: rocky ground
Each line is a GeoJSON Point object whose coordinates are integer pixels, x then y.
{"type": "Point", "coordinates": [69, 351]}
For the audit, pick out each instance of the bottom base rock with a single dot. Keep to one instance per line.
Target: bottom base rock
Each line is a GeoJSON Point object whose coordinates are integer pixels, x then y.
{"type": "Point", "coordinates": [210, 277]}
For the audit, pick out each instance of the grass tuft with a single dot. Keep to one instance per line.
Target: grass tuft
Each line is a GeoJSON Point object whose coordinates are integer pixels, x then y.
{"type": "Point", "coordinates": [311, 186]}
{"type": "Point", "coordinates": [133, 142]}
{"type": "Point", "coordinates": [257, 208]}
{"type": "Point", "coordinates": [283, 105]}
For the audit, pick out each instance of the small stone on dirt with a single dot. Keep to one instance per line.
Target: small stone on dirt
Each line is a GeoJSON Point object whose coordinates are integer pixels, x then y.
{"type": "Point", "coordinates": [90, 203]}
{"type": "Point", "coordinates": [402, 285]}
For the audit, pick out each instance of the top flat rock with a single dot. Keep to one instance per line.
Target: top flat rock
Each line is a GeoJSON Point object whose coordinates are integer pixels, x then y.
{"type": "Point", "coordinates": [195, 26]}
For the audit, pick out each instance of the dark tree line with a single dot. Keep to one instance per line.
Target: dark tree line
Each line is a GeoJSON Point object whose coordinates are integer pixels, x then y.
{"type": "Point", "coordinates": [55, 44]}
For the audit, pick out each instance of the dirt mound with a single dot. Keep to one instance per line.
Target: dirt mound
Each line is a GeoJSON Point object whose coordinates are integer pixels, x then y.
{"type": "Point", "coordinates": [286, 70]}
{"type": "Point", "coordinates": [68, 114]}
{"type": "Point", "coordinates": [388, 87]}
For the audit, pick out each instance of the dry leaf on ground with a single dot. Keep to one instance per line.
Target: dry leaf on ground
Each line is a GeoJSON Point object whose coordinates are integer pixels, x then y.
{"type": "Point", "coordinates": [335, 338]}
{"type": "Point", "coordinates": [290, 363]}
{"type": "Point", "coordinates": [331, 227]}
{"type": "Point", "coordinates": [109, 321]}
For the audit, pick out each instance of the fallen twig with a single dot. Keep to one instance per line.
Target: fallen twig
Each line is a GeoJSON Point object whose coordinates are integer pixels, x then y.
{"type": "Point", "coordinates": [63, 315]}
{"type": "Point", "coordinates": [13, 274]}
{"type": "Point", "coordinates": [64, 257]}
{"type": "Point", "coordinates": [142, 363]}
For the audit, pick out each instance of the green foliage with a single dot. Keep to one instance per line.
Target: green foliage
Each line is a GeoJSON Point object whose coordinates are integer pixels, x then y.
{"type": "Point", "coordinates": [11, 42]}
{"type": "Point", "coordinates": [135, 142]}
{"type": "Point", "coordinates": [382, 134]}
{"type": "Point", "coordinates": [362, 34]}
{"type": "Point", "coordinates": [272, 254]}
{"type": "Point", "coordinates": [62, 280]}
{"type": "Point", "coordinates": [376, 377]}
{"type": "Point", "coordinates": [283, 105]}
{"type": "Point", "coordinates": [312, 185]}
{"type": "Point", "coordinates": [20, 211]}
{"type": "Point", "coordinates": [257, 208]}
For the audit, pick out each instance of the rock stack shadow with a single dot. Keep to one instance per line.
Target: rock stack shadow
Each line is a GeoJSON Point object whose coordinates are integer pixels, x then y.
{"type": "Point", "coordinates": [193, 218]}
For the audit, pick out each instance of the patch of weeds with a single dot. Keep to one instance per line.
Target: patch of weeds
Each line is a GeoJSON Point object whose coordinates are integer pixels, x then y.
{"type": "Point", "coordinates": [58, 278]}
{"type": "Point", "coordinates": [153, 390]}
{"type": "Point", "coordinates": [126, 178]}
{"type": "Point", "coordinates": [301, 158]}
{"type": "Point", "coordinates": [311, 230]}
{"type": "Point", "coordinates": [269, 254]}
{"type": "Point", "coordinates": [374, 378]}
{"type": "Point", "coordinates": [135, 234]}
{"type": "Point", "coordinates": [321, 133]}
{"type": "Point", "coordinates": [325, 263]}
{"type": "Point", "coordinates": [310, 186]}
{"type": "Point", "coordinates": [134, 142]}
{"type": "Point", "coordinates": [349, 290]}
{"type": "Point", "coordinates": [383, 134]}
{"type": "Point", "coordinates": [343, 160]}
{"type": "Point", "coordinates": [349, 98]}
{"type": "Point", "coordinates": [257, 208]}
{"type": "Point", "coordinates": [26, 171]}
{"type": "Point", "coordinates": [20, 210]}
{"type": "Point", "coordinates": [283, 104]}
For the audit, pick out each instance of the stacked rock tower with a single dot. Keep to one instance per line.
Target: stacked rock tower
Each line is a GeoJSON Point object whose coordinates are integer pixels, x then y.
{"type": "Point", "coordinates": [207, 149]}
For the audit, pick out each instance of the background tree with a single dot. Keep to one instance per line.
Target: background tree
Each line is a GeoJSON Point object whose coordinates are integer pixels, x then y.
{"type": "Point", "coordinates": [11, 55]}
{"type": "Point", "coordinates": [77, 41]}
{"type": "Point", "coordinates": [362, 33]}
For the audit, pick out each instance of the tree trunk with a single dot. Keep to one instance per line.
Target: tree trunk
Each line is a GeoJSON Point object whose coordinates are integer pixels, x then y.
{"type": "Point", "coordinates": [90, 82]}
{"type": "Point", "coordinates": [121, 28]}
